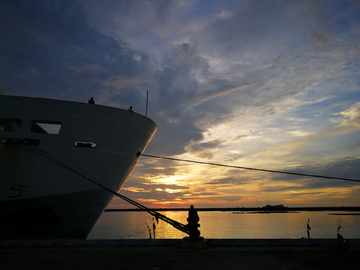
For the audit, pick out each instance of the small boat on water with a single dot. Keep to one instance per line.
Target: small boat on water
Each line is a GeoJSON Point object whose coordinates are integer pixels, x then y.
{"type": "Point", "coordinates": [46, 147]}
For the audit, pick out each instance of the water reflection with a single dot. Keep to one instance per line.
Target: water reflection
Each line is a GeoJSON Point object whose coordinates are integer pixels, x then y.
{"type": "Point", "coordinates": [132, 225]}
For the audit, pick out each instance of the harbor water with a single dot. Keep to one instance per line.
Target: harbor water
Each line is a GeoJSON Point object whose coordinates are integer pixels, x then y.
{"type": "Point", "coordinates": [229, 225]}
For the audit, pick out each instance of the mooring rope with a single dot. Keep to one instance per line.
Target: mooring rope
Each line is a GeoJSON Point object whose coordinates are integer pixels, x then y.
{"type": "Point", "coordinates": [350, 226]}
{"type": "Point", "coordinates": [157, 215]}
{"type": "Point", "coordinates": [154, 213]}
{"type": "Point", "coordinates": [253, 169]}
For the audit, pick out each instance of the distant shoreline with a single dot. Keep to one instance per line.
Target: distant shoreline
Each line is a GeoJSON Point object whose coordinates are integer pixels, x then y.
{"type": "Point", "coordinates": [246, 209]}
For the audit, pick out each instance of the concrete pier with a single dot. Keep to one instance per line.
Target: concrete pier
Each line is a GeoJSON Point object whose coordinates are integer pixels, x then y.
{"type": "Point", "coordinates": [288, 243]}
{"type": "Point", "coordinates": [244, 254]}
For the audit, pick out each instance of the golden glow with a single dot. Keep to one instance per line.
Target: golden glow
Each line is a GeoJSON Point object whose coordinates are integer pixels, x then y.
{"type": "Point", "coordinates": [167, 179]}
{"type": "Point", "coordinates": [148, 200]}
{"type": "Point", "coordinates": [166, 203]}
{"type": "Point", "coordinates": [135, 189]}
{"type": "Point", "coordinates": [181, 184]}
{"type": "Point", "coordinates": [172, 190]}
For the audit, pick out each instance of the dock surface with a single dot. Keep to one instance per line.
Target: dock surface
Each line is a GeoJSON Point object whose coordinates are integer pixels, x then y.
{"type": "Point", "coordinates": [174, 254]}
{"type": "Point", "coordinates": [213, 258]}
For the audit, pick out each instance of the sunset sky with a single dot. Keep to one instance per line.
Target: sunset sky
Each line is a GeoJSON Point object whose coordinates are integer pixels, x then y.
{"type": "Point", "coordinates": [263, 84]}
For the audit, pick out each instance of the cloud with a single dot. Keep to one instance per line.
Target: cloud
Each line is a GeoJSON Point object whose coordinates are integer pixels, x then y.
{"type": "Point", "coordinates": [239, 34]}
{"type": "Point", "coordinates": [312, 140]}
{"type": "Point", "coordinates": [345, 167]}
{"type": "Point", "coordinates": [321, 19]}
{"type": "Point", "coordinates": [85, 68]}
{"type": "Point", "coordinates": [203, 150]}
{"type": "Point", "coordinates": [120, 82]}
{"type": "Point", "coordinates": [230, 181]}
{"type": "Point", "coordinates": [154, 193]}
{"type": "Point", "coordinates": [351, 116]}
{"type": "Point", "coordinates": [187, 94]}
{"type": "Point", "coordinates": [147, 26]}
{"type": "Point", "coordinates": [218, 93]}
{"type": "Point", "coordinates": [54, 43]}
{"type": "Point", "coordinates": [260, 83]}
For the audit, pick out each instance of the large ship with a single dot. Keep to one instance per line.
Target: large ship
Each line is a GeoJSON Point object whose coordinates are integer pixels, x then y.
{"type": "Point", "coordinates": [48, 150]}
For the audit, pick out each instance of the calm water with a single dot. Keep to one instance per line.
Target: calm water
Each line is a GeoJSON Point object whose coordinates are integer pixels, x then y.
{"type": "Point", "coordinates": [132, 225]}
